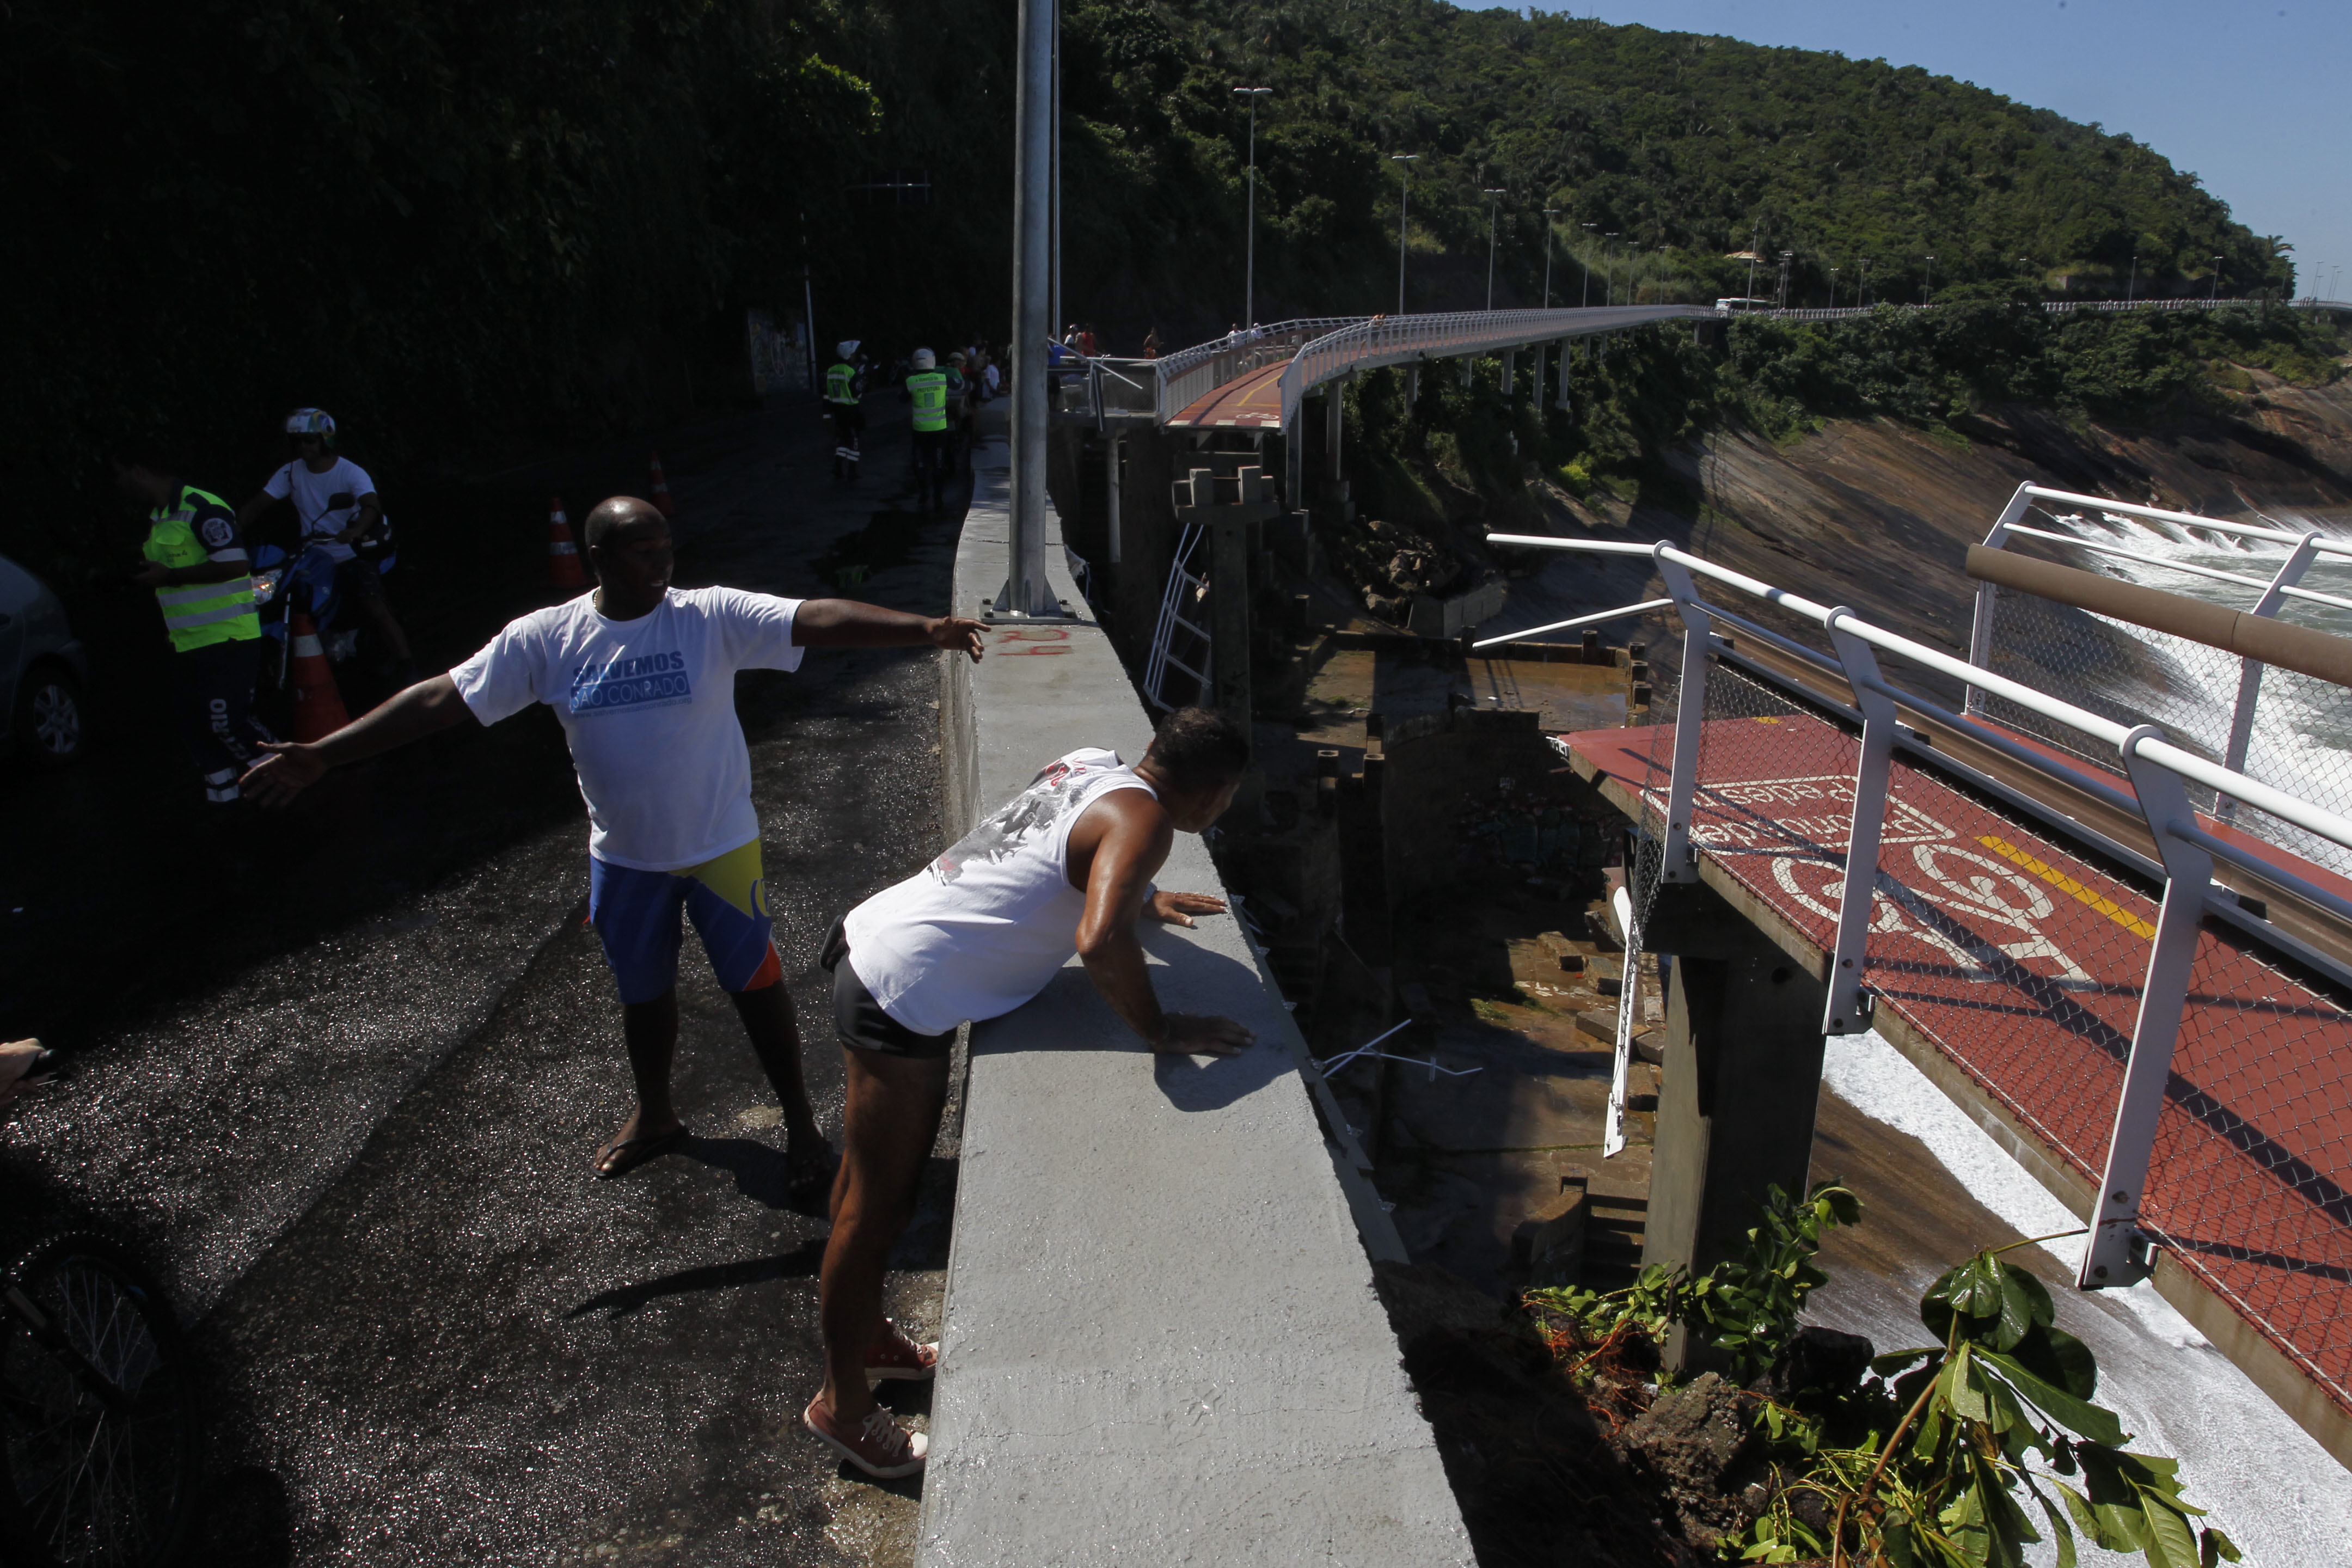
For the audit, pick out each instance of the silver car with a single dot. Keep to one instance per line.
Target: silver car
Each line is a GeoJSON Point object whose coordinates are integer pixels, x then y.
{"type": "Point", "coordinates": [42, 672]}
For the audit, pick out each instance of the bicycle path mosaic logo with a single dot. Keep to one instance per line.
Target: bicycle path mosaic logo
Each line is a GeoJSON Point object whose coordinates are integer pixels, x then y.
{"type": "Point", "coordinates": [646, 681]}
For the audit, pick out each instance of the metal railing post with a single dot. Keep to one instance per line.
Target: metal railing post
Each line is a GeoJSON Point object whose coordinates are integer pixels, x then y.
{"type": "Point", "coordinates": [2249, 670]}
{"type": "Point", "coordinates": [1848, 1010]}
{"type": "Point", "coordinates": [1980, 628]}
{"type": "Point", "coordinates": [2110, 1259]}
{"type": "Point", "coordinates": [1026, 591]}
{"type": "Point", "coordinates": [1680, 861]}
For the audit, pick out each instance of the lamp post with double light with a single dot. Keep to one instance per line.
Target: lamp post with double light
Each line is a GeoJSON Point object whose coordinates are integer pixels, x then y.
{"type": "Point", "coordinates": [1550, 214]}
{"type": "Point", "coordinates": [1494, 209]}
{"type": "Point", "coordinates": [1404, 215]}
{"type": "Point", "coordinates": [1250, 95]}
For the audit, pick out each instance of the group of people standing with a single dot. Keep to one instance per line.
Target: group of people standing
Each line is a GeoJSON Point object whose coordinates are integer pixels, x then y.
{"type": "Point", "coordinates": [641, 676]}
{"type": "Point", "coordinates": [199, 562]}
{"type": "Point", "coordinates": [944, 398]}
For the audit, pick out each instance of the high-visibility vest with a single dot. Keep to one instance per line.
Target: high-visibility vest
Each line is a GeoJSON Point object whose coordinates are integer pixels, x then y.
{"type": "Point", "coordinates": [198, 614]}
{"type": "Point", "coordinates": [928, 388]}
{"type": "Point", "coordinates": [841, 384]}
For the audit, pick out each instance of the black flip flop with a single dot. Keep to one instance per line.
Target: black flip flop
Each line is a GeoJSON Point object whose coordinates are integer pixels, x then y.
{"type": "Point", "coordinates": [634, 1151]}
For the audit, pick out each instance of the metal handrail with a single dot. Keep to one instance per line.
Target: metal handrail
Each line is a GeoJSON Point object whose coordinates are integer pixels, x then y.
{"type": "Point", "coordinates": [1189, 375]}
{"type": "Point", "coordinates": [2214, 574]}
{"type": "Point", "coordinates": [2156, 768]}
{"type": "Point", "coordinates": [2179, 518]}
{"type": "Point", "coordinates": [1400, 339]}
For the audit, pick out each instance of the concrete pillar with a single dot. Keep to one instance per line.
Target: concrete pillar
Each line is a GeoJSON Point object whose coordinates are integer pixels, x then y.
{"type": "Point", "coordinates": [1331, 432]}
{"type": "Point", "coordinates": [1510, 371]}
{"type": "Point", "coordinates": [1535, 374]}
{"type": "Point", "coordinates": [1411, 388]}
{"type": "Point", "coordinates": [1742, 1076]}
{"type": "Point", "coordinates": [1464, 361]}
{"type": "Point", "coordinates": [1563, 375]}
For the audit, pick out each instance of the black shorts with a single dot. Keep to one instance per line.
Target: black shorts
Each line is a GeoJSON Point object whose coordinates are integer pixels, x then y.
{"type": "Point", "coordinates": [860, 1022]}
{"type": "Point", "coordinates": [358, 578]}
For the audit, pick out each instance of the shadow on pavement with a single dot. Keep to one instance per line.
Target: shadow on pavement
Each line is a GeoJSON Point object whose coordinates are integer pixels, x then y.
{"type": "Point", "coordinates": [799, 1263]}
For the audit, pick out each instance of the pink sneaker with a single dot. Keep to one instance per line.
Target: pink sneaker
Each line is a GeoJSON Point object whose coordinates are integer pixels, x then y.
{"type": "Point", "coordinates": [896, 1356]}
{"type": "Point", "coordinates": [877, 1444]}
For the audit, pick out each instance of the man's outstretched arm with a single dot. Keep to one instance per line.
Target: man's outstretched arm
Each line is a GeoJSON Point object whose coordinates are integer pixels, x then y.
{"type": "Point", "coordinates": [850, 623]}
{"type": "Point", "coordinates": [1131, 835]}
{"type": "Point", "coordinates": [291, 768]}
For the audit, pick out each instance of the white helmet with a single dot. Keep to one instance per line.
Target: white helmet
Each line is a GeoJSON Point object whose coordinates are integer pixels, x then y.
{"type": "Point", "coordinates": [925, 359]}
{"type": "Point", "coordinates": [847, 347]}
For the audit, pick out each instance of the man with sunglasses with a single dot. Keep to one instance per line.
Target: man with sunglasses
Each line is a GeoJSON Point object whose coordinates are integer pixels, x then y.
{"type": "Point", "coordinates": [335, 504]}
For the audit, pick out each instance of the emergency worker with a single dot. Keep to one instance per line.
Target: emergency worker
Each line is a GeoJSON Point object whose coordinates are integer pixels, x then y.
{"type": "Point", "coordinates": [930, 389]}
{"type": "Point", "coordinates": [204, 585]}
{"type": "Point", "coordinates": [845, 386]}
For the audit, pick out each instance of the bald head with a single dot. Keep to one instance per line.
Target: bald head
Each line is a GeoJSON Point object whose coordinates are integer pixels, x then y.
{"type": "Point", "coordinates": [620, 514]}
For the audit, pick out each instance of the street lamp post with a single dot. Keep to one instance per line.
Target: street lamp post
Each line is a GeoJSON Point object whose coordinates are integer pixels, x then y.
{"type": "Point", "coordinates": [2217, 281]}
{"type": "Point", "coordinates": [1586, 298]}
{"type": "Point", "coordinates": [1786, 256]}
{"type": "Point", "coordinates": [1608, 268]}
{"type": "Point", "coordinates": [1834, 272]}
{"type": "Point", "coordinates": [1861, 286]}
{"type": "Point", "coordinates": [1404, 216]}
{"type": "Point", "coordinates": [2131, 287]}
{"type": "Point", "coordinates": [1928, 290]}
{"type": "Point", "coordinates": [1550, 214]}
{"type": "Point", "coordinates": [1494, 208]}
{"type": "Point", "coordinates": [1249, 288]}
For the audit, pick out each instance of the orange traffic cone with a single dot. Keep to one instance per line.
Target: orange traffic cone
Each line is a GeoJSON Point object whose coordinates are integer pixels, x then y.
{"type": "Point", "coordinates": [562, 555]}
{"type": "Point", "coordinates": [662, 503]}
{"type": "Point", "coordinates": [318, 705]}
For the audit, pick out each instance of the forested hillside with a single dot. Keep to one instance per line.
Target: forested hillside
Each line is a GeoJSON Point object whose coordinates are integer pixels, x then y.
{"type": "Point", "coordinates": [472, 229]}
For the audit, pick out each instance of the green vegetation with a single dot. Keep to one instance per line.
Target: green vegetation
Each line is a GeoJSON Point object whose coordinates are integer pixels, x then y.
{"type": "Point", "coordinates": [1925, 1465]}
{"type": "Point", "coordinates": [472, 231]}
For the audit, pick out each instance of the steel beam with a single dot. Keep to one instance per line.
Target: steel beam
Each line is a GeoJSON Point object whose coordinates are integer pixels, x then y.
{"type": "Point", "coordinates": [1847, 1011]}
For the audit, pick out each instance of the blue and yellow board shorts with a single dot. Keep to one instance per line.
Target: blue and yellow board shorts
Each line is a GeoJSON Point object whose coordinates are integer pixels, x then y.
{"type": "Point", "coordinates": [635, 914]}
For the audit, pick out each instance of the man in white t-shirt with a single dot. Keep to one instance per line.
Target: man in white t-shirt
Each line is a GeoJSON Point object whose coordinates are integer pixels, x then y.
{"type": "Point", "coordinates": [642, 677]}
{"type": "Point", "coordinates": [335, 505]}
{"type": "Point", "coordinates": [1063, 868]}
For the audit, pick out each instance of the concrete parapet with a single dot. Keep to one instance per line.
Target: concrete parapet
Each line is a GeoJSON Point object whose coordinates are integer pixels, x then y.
{"type": "Point", "coordinates": [1161, 1339]}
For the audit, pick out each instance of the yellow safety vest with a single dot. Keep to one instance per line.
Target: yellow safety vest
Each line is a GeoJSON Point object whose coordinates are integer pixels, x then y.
{"type": "Point", "coordinates": [841, 384]}
{"type": "Point", "coordinates": [198, 614]}
{"type": "Point", "coordinates": [928, 388]}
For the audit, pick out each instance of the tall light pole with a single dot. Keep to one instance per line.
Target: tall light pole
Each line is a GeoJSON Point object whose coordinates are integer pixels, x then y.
{"type": "Point", "coordinates": [1608, 268]}
{"type": "Point", "coordinates": [1550, 214]}
{"type": "Point", "coordinates": [2217, 281]}
{"type": "Point", "coordinates": [1587, 264]}
{"type": "Point", "coordinates": [1861, 286]}
{"type": "Point", "coordinates": [1786, 256]}
{"type": "Point", "coordinates": [2131, 287]}
{"type": "Point", "coordinates": [1026, 591]}
{"type": "Point", "coordinates": [1404, 215]}
{"type": "Point", "coordinates": [1755, 235]}
{"type": "Point", "coordinates": [1249, 289]}
{"type": "Point", "coordinates": [1493, 208]}
{"type": "Point", "coordinates": [1928, 290]}
{"type": "Point", "coordinates": [1834, 272]}
{"type": "Point", "coordinates": [1053, 320]}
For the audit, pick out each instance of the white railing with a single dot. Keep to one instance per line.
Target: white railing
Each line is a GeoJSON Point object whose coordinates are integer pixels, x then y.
{"type": "Point", "coordinates": [2156, 767]}
{"type": "Point", "coordinates": [1405, 340]}
{"type": "Point", "coordinates": [2055, 307]}
{"type": "Point", "coordinates": [1189, 375]}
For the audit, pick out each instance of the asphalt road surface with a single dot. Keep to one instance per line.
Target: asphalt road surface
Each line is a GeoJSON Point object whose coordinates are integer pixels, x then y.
{"type": "Point", "coordinates": [342, 1079]}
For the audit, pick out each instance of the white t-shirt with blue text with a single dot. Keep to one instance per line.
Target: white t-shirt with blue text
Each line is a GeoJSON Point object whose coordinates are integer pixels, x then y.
{"type": "Point", "coordinates": [649, 707]}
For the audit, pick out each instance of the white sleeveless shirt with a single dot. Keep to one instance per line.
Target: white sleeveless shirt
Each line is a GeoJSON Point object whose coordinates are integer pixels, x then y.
{"type": "Point", "coordinates": [982, 928]}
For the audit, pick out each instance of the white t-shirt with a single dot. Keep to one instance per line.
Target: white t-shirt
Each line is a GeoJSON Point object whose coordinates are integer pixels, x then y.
{"type": "Point", "coordinates": [649, 707]}
{"type": "Point", "coordinates": [982, 928]}
{"type": "Point", "coordinates": [326, 504]}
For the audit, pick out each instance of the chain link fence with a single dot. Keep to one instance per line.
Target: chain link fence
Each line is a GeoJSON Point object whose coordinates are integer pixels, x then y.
{"type": "Point", "coordinates": [2280, 727]}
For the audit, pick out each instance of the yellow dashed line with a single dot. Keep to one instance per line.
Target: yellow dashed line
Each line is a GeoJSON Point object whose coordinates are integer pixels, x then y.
{"type": "Point", "coordinates": [2072, 889]}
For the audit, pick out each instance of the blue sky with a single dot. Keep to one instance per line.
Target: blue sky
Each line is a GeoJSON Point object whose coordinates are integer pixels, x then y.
{"type": "Point", "coordinates": [2254, 98]}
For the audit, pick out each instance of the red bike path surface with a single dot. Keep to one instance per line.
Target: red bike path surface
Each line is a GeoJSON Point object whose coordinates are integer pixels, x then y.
{"type": "Point", "coordinates": [1251, 401]}
{"type": "Point", "coordinates": [2023, 963]}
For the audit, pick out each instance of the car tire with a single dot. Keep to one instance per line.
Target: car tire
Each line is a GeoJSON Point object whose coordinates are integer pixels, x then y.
{"type": "Point", "coordinates": [51, 725]}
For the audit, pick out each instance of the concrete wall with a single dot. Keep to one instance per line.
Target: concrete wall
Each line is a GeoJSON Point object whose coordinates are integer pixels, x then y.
{"type": "Point", "coordinates": [1161, 1342]}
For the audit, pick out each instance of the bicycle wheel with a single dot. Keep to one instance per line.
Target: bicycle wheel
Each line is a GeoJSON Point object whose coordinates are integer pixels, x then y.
{"type": "Point", "coordinates": [98, 1420]}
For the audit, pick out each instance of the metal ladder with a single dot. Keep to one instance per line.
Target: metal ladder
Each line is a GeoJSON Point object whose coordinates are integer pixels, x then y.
{"type": "Point", "coordinates": [1182, 581]}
